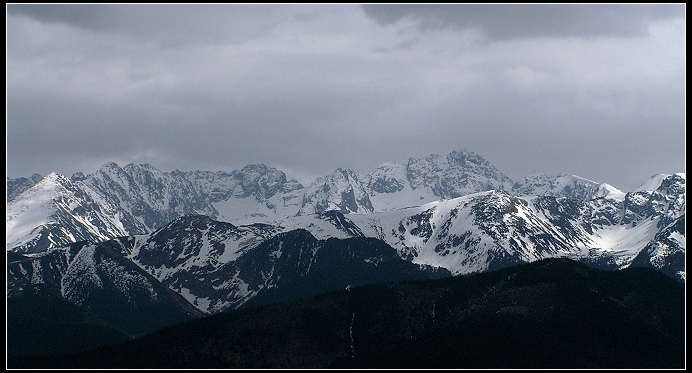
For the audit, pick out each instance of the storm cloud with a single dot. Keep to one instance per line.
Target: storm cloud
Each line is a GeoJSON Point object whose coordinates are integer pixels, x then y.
{"type": "Point", "coordinates": [517, 21]}
{"type": "Point", "coordinates": [597, 91]}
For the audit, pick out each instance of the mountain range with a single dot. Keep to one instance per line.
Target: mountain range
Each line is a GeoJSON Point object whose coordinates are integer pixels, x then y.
{"type": "Point", "coordinates": [164, 247]}
{"type": "Point", "coordinates": [113, 202]}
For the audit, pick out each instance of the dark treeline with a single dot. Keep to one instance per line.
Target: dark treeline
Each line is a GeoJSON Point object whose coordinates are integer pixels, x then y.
{"type": "Point", "coordinates": [554, 313]}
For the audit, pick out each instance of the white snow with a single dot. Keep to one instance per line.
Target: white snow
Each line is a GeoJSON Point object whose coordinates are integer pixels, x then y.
{"type": "Point", "coordinates": [564, 180]}
{"type": "Point", "coordinates": [125, 280]}
{"type": "Point", "coordinates": [322, 229]}
{"type": "Point", "coordinates": [53, 203]}
{"type": "Point", "coordinates": [36, 272]}
{"type": "Point", "coordinates": [653, 183]}
{"type": "Point", "coordinates": [31, 210]}
{"type": "Point", "coordinates": [610, 192]}
{"type": "Point", "coordinates": [200, 302]}
{"type": "Point", "coordinates": [625, 241]}
{"type": "Point", "coordinates": [398, 199]}
{"type": "Point", "coordinates": [249, 210]}
{"type": "Point", "coordinates": [81, 275]}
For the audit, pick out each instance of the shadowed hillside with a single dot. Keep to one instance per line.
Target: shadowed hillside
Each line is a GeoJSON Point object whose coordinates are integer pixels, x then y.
{"type": "Point", "coordinates": [554, 313]}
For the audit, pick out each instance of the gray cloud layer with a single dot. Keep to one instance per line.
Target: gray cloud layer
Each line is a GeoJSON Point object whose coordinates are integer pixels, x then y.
{"type": "Point", "coordinates": [312, 88]}
{"type": "Point", "coordinates": [515, 21]}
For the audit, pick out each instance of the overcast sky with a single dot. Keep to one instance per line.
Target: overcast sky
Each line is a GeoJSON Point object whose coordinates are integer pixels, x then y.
{"type": "Point", "coordinates": [597, 91]}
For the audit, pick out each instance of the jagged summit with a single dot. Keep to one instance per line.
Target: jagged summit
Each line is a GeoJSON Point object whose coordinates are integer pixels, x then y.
{"type": "Point", "coordinates": [55, 212]}
{"type": "Point", "coordinates": [459, 173]}
{"type": "Point", "coordinates": [264, 182]}
{"type": "Point", "coordinates": [565, 185]}
{"type": "Point", "coordinates": [658, 180]}
{"type": "Point", "coordinates": [342, 191]}
{"type": "Point", "coordinates": [389, 177]}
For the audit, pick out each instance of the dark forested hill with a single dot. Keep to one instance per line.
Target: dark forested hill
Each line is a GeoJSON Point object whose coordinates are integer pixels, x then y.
{"type": "Point", "coordinates": [554, 313]}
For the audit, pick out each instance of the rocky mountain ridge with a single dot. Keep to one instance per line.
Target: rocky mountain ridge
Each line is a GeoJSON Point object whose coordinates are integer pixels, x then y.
{"type": "Point", "coordinates": [138, 199]}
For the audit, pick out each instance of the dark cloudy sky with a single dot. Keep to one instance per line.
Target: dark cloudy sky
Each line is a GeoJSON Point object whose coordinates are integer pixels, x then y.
{"type": "Point", "coordinates": [596, 91]}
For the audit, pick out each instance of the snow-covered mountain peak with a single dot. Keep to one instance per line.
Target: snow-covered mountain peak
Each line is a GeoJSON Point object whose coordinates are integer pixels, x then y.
{"type": "Point", "coordinates": [468, 158]}
{"type": "Point", "coordinates": [109, 166]}
{"type": "Point", "coordinates": [389, 177]}
{"type": "Point", "coordinates": [566, 179]}
{"type": "Point", "coordinates": [610, 192]}
{"type": "Point", "coordinates": [345, 173]}
{"type": "Point", "coordinates": [109, 171]}
{"type": "Point", "coordinates": [653, 183]}
{"type": "Point", "coordinates": [459, 173]}
{"type": "Point", "coordinates": [672, 184]}
{"type": "Point", "coordinates": [342, 191]}
{"type": "Point", "coordinates": [263, 182]}
{"type": "Point", "coordinates": [145, 166]}
{"type": "Point", "coordinates": [42, 192]}
{"type": "Point", "coordinates": [52, 186]}
{"type": "Point", "coordinates": [146, 175]}
{"type": "Point", "coordinates": [145, 197]}
{"type": "Point", "coordinates": [565, 185]}
{"type": "Point", "coordinates": [55, 212]}
{"type": "Point", "coordinates": [53, 178]}
{"type": "Point", "coordinates": [77, 176]}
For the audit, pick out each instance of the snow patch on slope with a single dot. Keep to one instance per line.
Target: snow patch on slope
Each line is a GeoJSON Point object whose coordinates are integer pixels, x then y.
{"type": "Point", "coordinates": [653, 183]}
{"type": "Point", "coordinates": [31, 210]}
{"type": "Point", "coordinates": [625, 241]}
{"type": "Point", "coordinates": [81, 276]}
